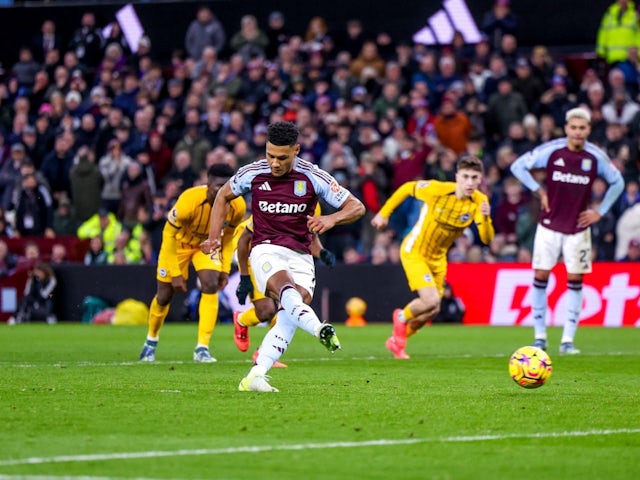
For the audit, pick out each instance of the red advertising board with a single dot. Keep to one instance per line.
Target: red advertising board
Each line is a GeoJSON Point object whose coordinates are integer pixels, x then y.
{"type": "Point", "coordinates": [500, 294]}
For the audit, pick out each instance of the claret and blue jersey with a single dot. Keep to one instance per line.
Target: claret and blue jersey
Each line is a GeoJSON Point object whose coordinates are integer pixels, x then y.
{"type": "Point", "coordinates": [569, 179]}
{"type": "Point", "coordinates": [290, 198]}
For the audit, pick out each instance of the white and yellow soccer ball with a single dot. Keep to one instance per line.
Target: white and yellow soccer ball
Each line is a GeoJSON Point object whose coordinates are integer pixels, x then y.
{"type": "Point", "coordinates": [530, 367]}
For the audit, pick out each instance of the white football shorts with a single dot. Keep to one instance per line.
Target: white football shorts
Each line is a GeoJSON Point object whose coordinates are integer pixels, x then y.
{"type": "Point", "coordinates": [269, 259]}
{"type": "Point", "coordinates": [575, 249]}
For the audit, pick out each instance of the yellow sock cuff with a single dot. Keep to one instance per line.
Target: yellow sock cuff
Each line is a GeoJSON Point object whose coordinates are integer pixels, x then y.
{"type": "Point", "coordinates": [208, 316]}
{"type": "Point", "coordinates": [406, 311]}
{"type": "Point", "coordinates": [248, 318]}
{"type": "Point", "coordinates": [157, 314]}
{"type": "Point", "coordinates": [155, 307]}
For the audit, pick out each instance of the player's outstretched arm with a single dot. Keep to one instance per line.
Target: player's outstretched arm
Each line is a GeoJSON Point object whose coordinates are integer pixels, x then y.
{"type": "Point", "coordinates": [381, 219]}
{"type": "Point", "coordinates": [400, 195]}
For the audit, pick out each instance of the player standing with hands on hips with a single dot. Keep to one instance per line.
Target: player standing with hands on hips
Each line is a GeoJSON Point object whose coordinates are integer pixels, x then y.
{"type": "Point", "coordinates": [284, 192]}
{"type": "Point", "coordinates": [571, 165]}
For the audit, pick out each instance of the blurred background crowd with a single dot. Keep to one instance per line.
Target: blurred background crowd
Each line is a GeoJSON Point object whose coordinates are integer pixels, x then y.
{"type": "Point", "coordinates": [97, 141]}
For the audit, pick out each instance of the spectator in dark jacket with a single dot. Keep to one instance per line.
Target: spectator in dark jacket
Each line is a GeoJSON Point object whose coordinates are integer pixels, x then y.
{"type": "Point", "coordinates": [34, 209]}
{"type": "Point", "coordinates": [452, 309]}
{"type": "Point", "coordinates": [499, 21]}
{"type": "Point", "coordinates": [64, 220]}
{"type": "Point", "coordinates": [9, 175]}
{"type": "Point", "coordinates": [25, 70]}
{"type": "Point", "coordinates": [182, 172]}
{"type": "Point", "coordinates": [87, 133]}
{"type": "Point", "coordinates": [205, 30]}
{"type": "Point", "coordinates": [37, 302]}
{"type": "Point", "coordinates": [504, 107]}
{"type": "Point", "coordinates": [160, 155]}
{"type": "Point", "coordinates": [87, 41]}
{"type": "Point", "coordinates": [56, 167]}
{"type": "Point", "coordinates": [86, 184]}
{"type": "Point", "coordinates": [249, 41]}
{"type": "Point", "coordinates": [45, 41]}
{"type": "Point", "coordinates": [136, 193]}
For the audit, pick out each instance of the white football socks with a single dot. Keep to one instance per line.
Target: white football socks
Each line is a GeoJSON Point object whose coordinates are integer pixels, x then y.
{"type": "Point", "coordinates": [539, 309]}
{"type": "Point", "coordinates": [301, 314]}
{"type": "Point", "coordinates": [275, 342]}
{"type": "Point", "coordinates": [574, 302]}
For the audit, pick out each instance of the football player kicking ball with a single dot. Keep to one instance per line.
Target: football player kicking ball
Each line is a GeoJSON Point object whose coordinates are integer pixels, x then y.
{"type": "Point", "coordinates": [186, 226]}
{"type": "Point", "coordinates": [449, 208]}
{"type": "Point", "coordinates": [264, 308]}
{"type": "Point", "coordinates": [284, 192]}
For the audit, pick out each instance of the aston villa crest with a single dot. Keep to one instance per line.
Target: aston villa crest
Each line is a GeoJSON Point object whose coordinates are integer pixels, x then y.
{"type": "Point", "coordinates": [300, 188]}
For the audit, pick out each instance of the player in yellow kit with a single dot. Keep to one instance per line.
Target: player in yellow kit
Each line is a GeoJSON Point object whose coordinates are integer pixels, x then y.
{"type": "Point", "coordinates": [186, 227]}
{"type": "Point", "coordinates": [449, 208]}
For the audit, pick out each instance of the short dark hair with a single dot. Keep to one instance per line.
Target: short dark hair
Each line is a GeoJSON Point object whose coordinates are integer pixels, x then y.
{"type": "Point", "coordinates": [469, 162]}
{"type": "Point", "coordinates": [221, 170]}
{"type": "Point", "coordinates": [282, 133]}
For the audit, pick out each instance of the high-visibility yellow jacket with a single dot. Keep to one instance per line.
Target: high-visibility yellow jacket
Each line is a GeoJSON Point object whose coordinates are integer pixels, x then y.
{"type": "Point", "coordinates": [617, 33]}
{"type": "Point", "coordinates": [93, 228]}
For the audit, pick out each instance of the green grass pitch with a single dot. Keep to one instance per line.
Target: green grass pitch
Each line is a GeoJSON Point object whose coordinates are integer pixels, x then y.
{"type": "Point", "coordinates": [76, 404]}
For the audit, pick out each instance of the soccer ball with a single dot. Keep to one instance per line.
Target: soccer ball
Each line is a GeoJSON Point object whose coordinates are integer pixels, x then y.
{"type": "Point", "coordinates": [530, 367]}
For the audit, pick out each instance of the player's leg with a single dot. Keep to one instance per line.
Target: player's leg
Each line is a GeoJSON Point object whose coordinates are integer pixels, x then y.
{"type": "Point", "coordinates": [547, 247]}
{"type": "Point", "coordinates": [408, 321]}
{"type": "Point", "coordinates": [158, 311]}
{"type": "Point", "coordinates": [276, 364]}
{"type": "Point", "coordinates": [159, 307]}
{"type": "Point", "coordinates": [417, 312]}
{"type": "Point", "coordinates": [290, 279]}
{"type": "Point", "coordinates": [430, 297]}
{"type": "Point", "coordinates": [577, 257]}
{"type": "Point", "coordinates": [574, 302]}
{"type": "Point", "coordinates": [265, 311]}
{"type": "Point", "coordinates": [539, 307]}
{"type": "Point", "coordinates": [294, 301]}
{"type": "Point", "coordinates": [277, 340]}
{"type": "Point", "coordinates": [274, 344]}
{"type": "Point", "coordinates": [207, 313]}
{"type": "Point", "coordinates": [423, 308]}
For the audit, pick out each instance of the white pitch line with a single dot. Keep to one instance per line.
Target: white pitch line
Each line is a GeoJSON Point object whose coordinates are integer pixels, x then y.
{"type": "Point", "coordinates": [306, 446]}
{"type": "Point", "coordinates": [69, 477]}
{"type": "Point", "coordinates": [292, 360]}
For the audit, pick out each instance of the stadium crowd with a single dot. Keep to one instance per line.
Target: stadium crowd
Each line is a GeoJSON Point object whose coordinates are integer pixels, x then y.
{"type": "Point", "coordinates": [98, 141]}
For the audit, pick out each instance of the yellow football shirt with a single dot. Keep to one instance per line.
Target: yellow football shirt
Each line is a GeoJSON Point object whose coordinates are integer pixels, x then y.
{"type": "Point", "coordinates": [188, 223]}
{"type": "Point", "coordinates": [443, 217]}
